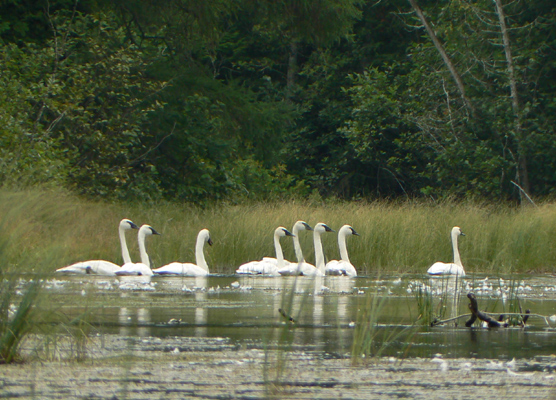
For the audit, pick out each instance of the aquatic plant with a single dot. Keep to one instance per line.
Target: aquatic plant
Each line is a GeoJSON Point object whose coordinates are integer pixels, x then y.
{"type": "Point", "coordinates": [424, 300]}
{"type": "Point", "coordinates": [17, 298]}
{"type": "Point", "coordinates": [15, 320]}
{"type": "Point", "coordinates": [24, 306]}
{"type": "Point", "coordinates": [276, 359]}
{"type": "Point", "coordinates": [366, 342]}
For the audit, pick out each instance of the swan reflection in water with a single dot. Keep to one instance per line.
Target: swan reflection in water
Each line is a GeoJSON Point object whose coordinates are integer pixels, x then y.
{"type": "Point", "coordinates": [141, 319]}
{"type": "Point", "coordinates": [143, 322]}
{"type": "Point", "coordinates": [201, 319]}
{"type": "Point", "coordinates": [447, 288]}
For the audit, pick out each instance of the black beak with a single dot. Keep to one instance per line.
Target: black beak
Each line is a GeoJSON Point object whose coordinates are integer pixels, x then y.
{"type": "Point", "coordinates": [288, 233]}
{"type": "Point", "coordinates": [328, 229]}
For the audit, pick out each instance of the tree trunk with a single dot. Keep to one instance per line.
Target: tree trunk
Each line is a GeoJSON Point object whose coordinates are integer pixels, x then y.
{"type": "Point", "coordinates": [522, 173]}
{"type": "Point", "coordinates": [292, 69]}
{"type": "Point", "coordinates": [444, 55]}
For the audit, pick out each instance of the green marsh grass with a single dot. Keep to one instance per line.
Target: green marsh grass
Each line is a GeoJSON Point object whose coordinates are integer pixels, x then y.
{"type": "Point", "coordinates": [33, 238]}
{"type": "Point", "coordinates": [424, 300]}
{"type": "Point", "coordinates": [395, 237]}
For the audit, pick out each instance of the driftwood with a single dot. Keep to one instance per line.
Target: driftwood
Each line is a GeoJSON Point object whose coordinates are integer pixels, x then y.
{"type": "Point", "coordinates": [485, 317]}
{"type": "Point", "coordinates": [475, 313]}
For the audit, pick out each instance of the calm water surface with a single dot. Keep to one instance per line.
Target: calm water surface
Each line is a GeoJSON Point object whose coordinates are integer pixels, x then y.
{"type": "Point", "coordinates": [246, 310]}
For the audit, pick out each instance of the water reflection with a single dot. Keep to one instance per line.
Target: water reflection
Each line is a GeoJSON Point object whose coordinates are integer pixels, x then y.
{"type": "Point", "coordinates": [447, 292]}
{"type": "Point", "coordinates": [124, 318]}
{"type": "Point", "coordinates": [143, 322]}
{"type": "Point", "coordinates": [245, 308]}
{"type": "Point", "coordinates": [139, 319]}
{"type": "Point", "coordinates": [201, 320]}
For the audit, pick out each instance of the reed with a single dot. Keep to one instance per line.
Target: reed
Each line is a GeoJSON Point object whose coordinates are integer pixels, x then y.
{"type": "Point", "coordinates": [17, 294]}
{"type": "Point", "coordinates": [30, 245]}
{"type": "Point", "coordinates": [395, 237]}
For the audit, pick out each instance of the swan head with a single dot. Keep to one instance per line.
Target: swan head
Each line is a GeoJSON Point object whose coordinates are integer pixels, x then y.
{"type": "Point", "coordinates": [281, 231]}
{"type": "Point", "coordinates": [348, 230]}
{"type": "Point", "coordinates": [147, 230]}
{"type": "Point", "coordinates": [456, 230]}
{"type": "Point", "coordinates": [321, 227]}
{"type": "Point", "coordinates": [300, 225]}
{"type": "Point", "coordinates": [127, 224]}
{"type": "Point", "coordinates": [205, 235]}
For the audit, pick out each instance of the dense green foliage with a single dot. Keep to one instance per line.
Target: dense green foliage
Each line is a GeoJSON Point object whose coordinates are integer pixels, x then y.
{"type": "Point", "coordinates": [197, 101]}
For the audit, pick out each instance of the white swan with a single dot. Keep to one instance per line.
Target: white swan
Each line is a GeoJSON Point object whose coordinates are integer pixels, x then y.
{"type": "Point", "coordinates": [455, 268]}
{"type": "Point", "coordinates": [301, 267]}
{"type": "Point", "coordinates": [343, 266]}
{"type": "Point", "coordinates": [102, 267]}
{"type": "Point", "coordinates": [267, 267]}
{"type": "Point", "coordinates": [144, 267]}
{"type": "Point", "coordinates": [190, 269]}
{"type": "Point", "coordinates": [320, 263]}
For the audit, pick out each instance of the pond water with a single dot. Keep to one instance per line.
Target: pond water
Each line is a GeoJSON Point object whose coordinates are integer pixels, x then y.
{"type": "Point", "coordinates": [326, 311]}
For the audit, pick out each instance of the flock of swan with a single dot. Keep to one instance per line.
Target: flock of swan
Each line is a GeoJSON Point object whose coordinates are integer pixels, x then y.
{"type": "Point", "coordinates": [273, 266]}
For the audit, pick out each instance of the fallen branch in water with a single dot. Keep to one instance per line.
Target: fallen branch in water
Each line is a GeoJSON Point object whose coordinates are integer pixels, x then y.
{"type": "Point", "coordinates": [484, 316]}
{"type": "Point", "coordinates": [445, 321]}
{"type": "Point", "coordinates": [475, 313]}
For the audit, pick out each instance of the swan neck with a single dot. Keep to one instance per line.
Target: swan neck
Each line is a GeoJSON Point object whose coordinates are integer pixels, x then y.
{"type": "Point", "coordinates": [319, 253]}
{"type": "Point", "coordinates": [143, 250]}
{"type": "Point", "coordinates": [278, 249]}
{"type": "Point", "coordinates": [199, 254]}
{"type": "Point", "coordinates": [297, 248]}
{"type": "Point", "coordinates": [123, 243]}
{"type": "Point", "coordinates": [343, 247]}
{"type": "Point", "coordinates": [457, 259]}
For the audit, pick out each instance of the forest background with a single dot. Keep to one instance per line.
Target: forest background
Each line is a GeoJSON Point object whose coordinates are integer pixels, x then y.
{"type": "Point", "coordinates": [200, 101]}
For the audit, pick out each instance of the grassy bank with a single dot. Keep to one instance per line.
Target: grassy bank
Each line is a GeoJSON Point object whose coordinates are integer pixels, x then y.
{"type": "Point", "coordinates": [47, 230]}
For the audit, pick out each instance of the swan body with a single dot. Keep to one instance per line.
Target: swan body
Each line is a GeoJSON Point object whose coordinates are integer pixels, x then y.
{"type": "Point", "coordinates": [144, 267]}
{"type": "Point", "coordinates": [265, 267]}
{"type": "Point", "coordinates": [102, 267]}
{"type": "Point", "coordinates": [455, 268]}
{"type": "Point", "coordinates": [200, 268]}
{"type": "Point", "coordinates": [320, 263]}
{"type": "Point", "coordinates": [342, 266]}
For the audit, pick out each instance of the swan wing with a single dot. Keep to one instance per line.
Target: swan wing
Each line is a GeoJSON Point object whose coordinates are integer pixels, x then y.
{"type": "Point", "coordinates": [248, 268]}
{"type": "Point", "coordinates": [258, 268]}
{"type": "Point", "coordinates": [302, 268]}
{"type": "Point", "coordinates": [440, 268]}
{"type": "Point", "coordinates": [290, 269]}
{"type": "Point", "coordinates": [96, 267]}
{"type": "Point", "coordinates": [274, 261]}
{"type": "Point", "coordinates": [135, 269]}
{"type": "Point", "coordinates": [308, 269]}
{"type": "Point", "coordinates": [184, 269]}
{"type": "Point", "coordinates": [340, 267]}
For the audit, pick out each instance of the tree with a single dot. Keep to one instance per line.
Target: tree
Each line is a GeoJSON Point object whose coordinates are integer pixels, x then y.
{"type": "Point", "coordinates": [465, 97]}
